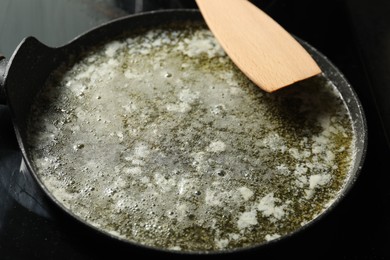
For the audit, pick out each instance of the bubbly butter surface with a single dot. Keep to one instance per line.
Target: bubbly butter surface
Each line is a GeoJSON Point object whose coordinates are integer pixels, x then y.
{"type": "Point", "coordinates": [157, 138]}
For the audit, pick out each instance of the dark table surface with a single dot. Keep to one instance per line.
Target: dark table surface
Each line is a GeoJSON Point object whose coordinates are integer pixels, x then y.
{"type": "Point", "coordinates": [353, 34]}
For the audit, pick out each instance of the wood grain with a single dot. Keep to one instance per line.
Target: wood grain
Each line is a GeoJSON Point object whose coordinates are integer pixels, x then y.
{"type": "Point", "coordinates": [265, 52]}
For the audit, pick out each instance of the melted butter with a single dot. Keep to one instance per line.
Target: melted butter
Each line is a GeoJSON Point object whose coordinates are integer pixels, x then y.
{"type": "Point", "coordinates": [158, 139]}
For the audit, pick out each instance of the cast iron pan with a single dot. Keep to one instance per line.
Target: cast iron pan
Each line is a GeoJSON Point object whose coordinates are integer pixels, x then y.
{"type": "Point", "coordinates": [23, 75]}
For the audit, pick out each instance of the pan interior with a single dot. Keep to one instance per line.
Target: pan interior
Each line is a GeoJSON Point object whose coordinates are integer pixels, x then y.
{"type": "Point", "coordinates": [158, 139]}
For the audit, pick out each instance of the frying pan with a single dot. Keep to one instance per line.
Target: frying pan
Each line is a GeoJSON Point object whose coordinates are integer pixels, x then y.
{"type": "Point", "coordinates": [24, 74]}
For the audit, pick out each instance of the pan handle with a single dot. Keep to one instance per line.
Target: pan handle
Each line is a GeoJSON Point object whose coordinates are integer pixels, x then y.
{"type": "Point", "coordinates": [3, 64]}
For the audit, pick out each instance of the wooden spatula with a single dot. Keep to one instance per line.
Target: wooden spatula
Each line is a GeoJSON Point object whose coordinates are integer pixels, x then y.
{"type": "Point", "coordinates": [265, 52]}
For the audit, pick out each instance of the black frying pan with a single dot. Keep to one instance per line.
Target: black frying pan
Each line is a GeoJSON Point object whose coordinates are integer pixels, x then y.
{"type": "Point", "coordinates": [23, 75]}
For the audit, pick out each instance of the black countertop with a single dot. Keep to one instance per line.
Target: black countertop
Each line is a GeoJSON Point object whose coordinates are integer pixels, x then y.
{"type": "Point", "coordinates": [353, 34]}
